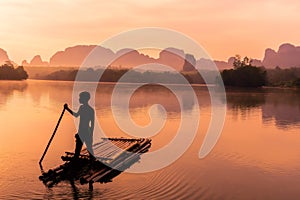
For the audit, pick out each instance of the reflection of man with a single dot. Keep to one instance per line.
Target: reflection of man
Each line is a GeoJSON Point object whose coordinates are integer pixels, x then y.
{"type": "Point", "coordinates": [86, 124]}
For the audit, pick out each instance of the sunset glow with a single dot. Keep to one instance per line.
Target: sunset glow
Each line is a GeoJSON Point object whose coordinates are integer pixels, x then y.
{"type": "Point", "coordinates": [223, 28]}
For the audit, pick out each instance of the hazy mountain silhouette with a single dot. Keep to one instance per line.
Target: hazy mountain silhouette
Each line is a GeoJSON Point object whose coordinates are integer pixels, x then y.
{"type": "Point", "coordinates": [287, 56]}
{"type": "Point", "coordinates": [256, 62]}
{"type": "Point", "coordinates": [35, 61]}
{"type": "Point", "coordinates": [223, 64]}
{"type": "Point", "coordinates": [127, 58]}
{"type": "Point", "coordinates": [72, 56]}
{"type": "Point", "coordinates": [130, 58]}
{"type": "Point", "coordinates": [207, 64]}
{"type": "Point", "coordinates": [3, 56]}
{"type": "Point", "coordinates": [172, 57]}
{"type": "Point", "coordinates": [189, 63]}
{"type": "Point", "coordinates": [25, 63]}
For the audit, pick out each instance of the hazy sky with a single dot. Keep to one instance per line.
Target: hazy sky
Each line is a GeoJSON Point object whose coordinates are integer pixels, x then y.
{"type": "Point", "coordinates": [223, 27]}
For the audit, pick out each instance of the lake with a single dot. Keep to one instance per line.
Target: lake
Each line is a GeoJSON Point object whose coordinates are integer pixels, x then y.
{"type": "Point", "coordinates": [256, 157]}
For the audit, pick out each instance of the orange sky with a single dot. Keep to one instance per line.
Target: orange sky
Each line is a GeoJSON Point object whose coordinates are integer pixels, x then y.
{"type": "Point", "coordinates": [223, 27]}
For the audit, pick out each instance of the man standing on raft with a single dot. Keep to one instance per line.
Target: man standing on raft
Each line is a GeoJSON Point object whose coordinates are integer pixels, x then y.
{"type": "Point", "coordinates": [86, 124]}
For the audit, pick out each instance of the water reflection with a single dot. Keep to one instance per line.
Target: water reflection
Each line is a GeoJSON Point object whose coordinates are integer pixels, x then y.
{"type": "Point", "coordinates": [283, 106]}
{"type": "Point", "coordinates": [146, 96]}
{"type": "Point", "coordinates": [279, 105]}
{"type": "Point", "coordinates": [41, 91]}
{"type": "Point", "coordinates": [245, 99]}
{"type": "Point", "coordinates": [7, 89]}
{"type": "Point", "coordinates": [257, 155]}
{"type": "Point", "coordinates": [77, 193]}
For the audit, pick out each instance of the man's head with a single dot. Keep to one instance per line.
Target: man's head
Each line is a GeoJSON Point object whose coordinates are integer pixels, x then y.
{"type": "Point", "coordinates": [84, 97]}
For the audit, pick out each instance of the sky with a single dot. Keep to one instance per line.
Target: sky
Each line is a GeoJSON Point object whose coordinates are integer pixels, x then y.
{"type": "Point", "coordinates": [223, 27]}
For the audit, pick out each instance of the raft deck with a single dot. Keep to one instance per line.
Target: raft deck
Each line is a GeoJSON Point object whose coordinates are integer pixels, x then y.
{"type": "Point", "coordinates": [113, 156]}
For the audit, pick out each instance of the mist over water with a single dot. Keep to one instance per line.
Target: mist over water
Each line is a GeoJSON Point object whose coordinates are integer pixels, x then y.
{"type": "Point", "coordinates": [256, 157]}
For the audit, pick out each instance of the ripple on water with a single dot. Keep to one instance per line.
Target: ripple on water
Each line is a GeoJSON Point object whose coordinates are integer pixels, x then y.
{"type": "Point", "coordinates": [170, 183]}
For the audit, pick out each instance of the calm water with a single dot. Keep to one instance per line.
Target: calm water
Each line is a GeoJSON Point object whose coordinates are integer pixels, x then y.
{"type": "Point", "coordinates": [256, 157]}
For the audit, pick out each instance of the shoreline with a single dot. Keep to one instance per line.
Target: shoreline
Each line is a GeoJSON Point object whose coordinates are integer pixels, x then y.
{"type": "Point", "coordinates": [155, 84]}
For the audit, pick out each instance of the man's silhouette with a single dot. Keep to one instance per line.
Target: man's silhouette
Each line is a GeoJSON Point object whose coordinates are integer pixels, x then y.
{"type": "Point", "coordinates": [86, 124]}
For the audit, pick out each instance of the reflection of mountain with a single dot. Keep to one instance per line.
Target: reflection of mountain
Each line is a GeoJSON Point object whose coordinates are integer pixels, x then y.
{"type": "Point", "coordinates": [245, 98]}
{"type": "Point", "coordinates": [143, 98]}
{"type": "Point", "coordinates": [146, 96]}
{"type": "Point", "coordinates": [7, 89]}
{"type": "Point", "coordinates": [283, 107]}
{"type": "Point", "coordinates": [41, 90]}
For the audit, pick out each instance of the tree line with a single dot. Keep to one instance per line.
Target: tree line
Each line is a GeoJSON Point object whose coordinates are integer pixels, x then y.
{"type": "Point", "coordinates": [117, 75]}
{"type": "Point", "coordinates": [243, 74]}
{"type": "Point", "coordinates": [9, 72]}
{"type": "Point", "coordinates": [284, 77]}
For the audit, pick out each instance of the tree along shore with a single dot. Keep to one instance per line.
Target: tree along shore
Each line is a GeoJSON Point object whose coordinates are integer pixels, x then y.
{"type": "Point", "coordinates": [9, 72]}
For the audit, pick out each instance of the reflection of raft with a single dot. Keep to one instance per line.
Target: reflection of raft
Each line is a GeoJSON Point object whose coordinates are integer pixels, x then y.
{"type": "Point", "coordinates": [114, 155]}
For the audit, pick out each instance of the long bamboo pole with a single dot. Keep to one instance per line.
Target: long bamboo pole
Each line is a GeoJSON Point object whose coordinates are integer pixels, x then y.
{"type": "Point", "coordinates": [53, 134]}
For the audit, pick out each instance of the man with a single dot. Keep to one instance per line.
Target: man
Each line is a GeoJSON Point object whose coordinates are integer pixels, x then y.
{"type": "Point", "coordinates": [86, 124]}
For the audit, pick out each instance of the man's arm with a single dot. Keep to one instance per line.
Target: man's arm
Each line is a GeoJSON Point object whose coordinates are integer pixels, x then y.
{"type": "Point", "coordinates": [71, 111]}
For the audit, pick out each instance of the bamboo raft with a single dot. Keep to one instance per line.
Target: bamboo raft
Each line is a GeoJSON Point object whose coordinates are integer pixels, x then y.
{"type": "Point", "coordinates": [113, 156]}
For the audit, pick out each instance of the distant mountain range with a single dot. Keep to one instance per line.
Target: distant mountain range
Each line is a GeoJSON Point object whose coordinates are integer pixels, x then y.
{"type": "Point", "coordinates": [287, 56]}
{"type": "Point", "coordinates": [3, 56]}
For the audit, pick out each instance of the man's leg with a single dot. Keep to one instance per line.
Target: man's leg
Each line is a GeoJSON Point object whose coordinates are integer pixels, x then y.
{"type": "Point", "coordinates": [78, 146]}
{"type": "Point", "coordinates": [89, 145]}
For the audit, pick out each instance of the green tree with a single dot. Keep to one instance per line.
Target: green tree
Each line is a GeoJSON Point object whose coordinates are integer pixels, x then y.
{"type": "Point", "coordinates": [244, 74]}
{"type": "Point", "coordinates": [8, 72]}
{"type": "Point", "coordinates": [239, 62]}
